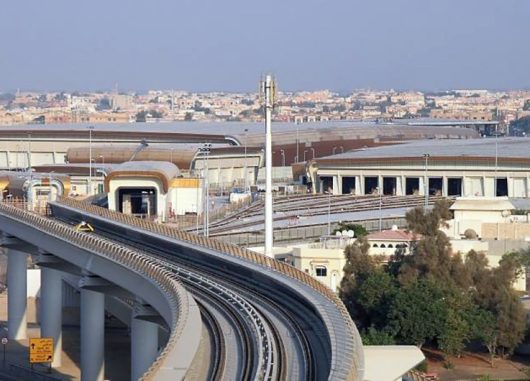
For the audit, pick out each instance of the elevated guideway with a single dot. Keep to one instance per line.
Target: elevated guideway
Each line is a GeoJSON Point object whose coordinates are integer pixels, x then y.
{"type": "Point", "coordinates": [264, 319]}
{"type": "Point", "coordinates": [308, 325]}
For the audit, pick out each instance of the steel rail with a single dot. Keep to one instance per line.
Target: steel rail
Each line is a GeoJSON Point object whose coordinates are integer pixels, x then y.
{"type": "Point", "coordinates": [217, 365]}
{"type": "Point", "coordinates": [229, 224]}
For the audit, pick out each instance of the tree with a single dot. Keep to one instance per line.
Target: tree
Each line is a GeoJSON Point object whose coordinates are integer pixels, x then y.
{"type": "Point", "coordinates": [494, 293]}
{"type": "Point", "coordinates": [417, 312]}
{"type": "Point", "coordinates": [517, 127]}
{"type": "Point", "coordinates": [372, 336]}
{"type": "Point", "coordinates": [373, 297]}
{"type": "Point", "coordinates": [433, 296]}
{"type": "Point", "coordinates": [483, 328]}
{"type": "Point", "coordinates": [456, 331]}
{"type": "Point", "coordinates": [432, 254]}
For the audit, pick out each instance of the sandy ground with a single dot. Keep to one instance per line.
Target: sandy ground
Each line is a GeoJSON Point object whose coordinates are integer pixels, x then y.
{"type": "Point", "coordinates": [471, 367]}
{"type": "Point", "coordinates": [117, 349]}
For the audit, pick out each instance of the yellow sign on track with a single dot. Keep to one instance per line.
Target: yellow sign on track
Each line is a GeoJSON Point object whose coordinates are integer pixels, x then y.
{"type": "Point", "coordinates": [41, 350]}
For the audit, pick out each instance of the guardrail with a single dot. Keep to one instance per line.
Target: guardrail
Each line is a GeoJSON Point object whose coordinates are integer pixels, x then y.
{"type": "Point", "coordinates": [165, 281]}
{"type": "Point", "coordinates": [351, 363]}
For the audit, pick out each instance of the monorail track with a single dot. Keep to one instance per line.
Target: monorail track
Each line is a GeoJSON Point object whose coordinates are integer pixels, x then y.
{"type": "Point", "coordinates": [202, 287]}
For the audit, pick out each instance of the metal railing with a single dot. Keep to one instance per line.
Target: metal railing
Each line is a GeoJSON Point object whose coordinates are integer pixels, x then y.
{"type": "Point", "coordinates": [350, 363]}
{"type": "Point", "coordinates": [166, 282]}
{"type": "Point", "coordinates": [302, 233]}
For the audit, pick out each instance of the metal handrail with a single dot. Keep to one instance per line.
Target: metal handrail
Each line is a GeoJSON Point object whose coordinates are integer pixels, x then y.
{"type": "Point", "coordinates": [165, 281]}
{"type": "Point", "coordinates": [350, 363]}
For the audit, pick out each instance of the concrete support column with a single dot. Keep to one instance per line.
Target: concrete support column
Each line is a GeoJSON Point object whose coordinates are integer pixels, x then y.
{"type": "Point", "coordinates": [445, 190]}
{"type": "Point", "coordinates": [511, 186]}
{"type": "Point", "coordinates": [17, 294]}
{"type": "Point", "coordinates": [380, 184]}
{"type": "Point", "coordinates": [421, 184]}
{"type": "Point", "coordinates": [358, 187]}
{"type": "Point", "coordinates": [399, 186]}
{"type": "Point", "coordinates": [92, 335]}
{"type": "Point", "coordinates": [51, 310]}
{"type": "Point", "coordinates": [144, 346]}
{"type": "Point", "coordinates": [361, 185]}
{"type": "Point", "coordinates": [337, 184]}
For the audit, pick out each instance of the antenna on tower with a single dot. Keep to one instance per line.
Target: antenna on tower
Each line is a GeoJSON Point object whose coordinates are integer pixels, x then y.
{"type": "Point", "coordinates": [268, 98]}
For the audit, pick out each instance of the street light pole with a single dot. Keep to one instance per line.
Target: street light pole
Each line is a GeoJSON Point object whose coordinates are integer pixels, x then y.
{"type": "Point", "coordinates": [496, 159]}
{"type": "Point", "coordinates": [380, 208]}
{"type": "Point", "coordinates": [90, 128]}
{"type": "Point", "coordinates": [297, 144]}
{"type": "Point", "coordinates": [426, 180]}
{"type": "Point", "coordinates": [246, 169]}
{"type": "Point", "coordinates": [329, 212]}
{"type": "Point", "coordinates": [206, 150]}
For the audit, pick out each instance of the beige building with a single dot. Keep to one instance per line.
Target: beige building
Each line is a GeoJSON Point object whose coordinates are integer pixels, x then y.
{"type": "Point", "coordinates": [324, 260]}
{"type": "Point", "coordinates": [487, 225]}
{"type": "Point", "coordinates": [386, 242]}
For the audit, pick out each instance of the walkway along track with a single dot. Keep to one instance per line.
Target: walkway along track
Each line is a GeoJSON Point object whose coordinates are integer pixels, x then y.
{"type": "Point", "coordinates": [331, 334]}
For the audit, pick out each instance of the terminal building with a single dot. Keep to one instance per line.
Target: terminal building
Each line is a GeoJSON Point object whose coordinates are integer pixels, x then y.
{"type": "Point", "coordinates": [463, 167]}
{"type": "Point", "coordinates": [33, 189]}
{"type": "Point", "coordinates": [151, 189]}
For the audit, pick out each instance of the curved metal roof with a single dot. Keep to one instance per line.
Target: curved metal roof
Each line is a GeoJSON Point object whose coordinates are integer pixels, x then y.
{"type": "Point", "coordinates": [518, 148]}
{"type": "Point", "coordinates": [162, 170]}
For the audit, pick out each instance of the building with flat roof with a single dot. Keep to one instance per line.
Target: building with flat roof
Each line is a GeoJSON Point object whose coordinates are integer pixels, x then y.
{"type": "Point", "coordinates": [466, 167]}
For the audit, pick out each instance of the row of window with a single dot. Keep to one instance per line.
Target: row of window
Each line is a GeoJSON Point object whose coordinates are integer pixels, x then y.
{"type": "Point", "coordinates": [390, 246]}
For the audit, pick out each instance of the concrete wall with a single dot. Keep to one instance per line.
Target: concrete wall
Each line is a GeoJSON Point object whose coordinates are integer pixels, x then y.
{"type": "Point", "coordinates": [494, 251]}
{"type": "Point", "coordinates": [309, 259]}
{"type": "Point", "coordinates": [186, 200]}
{"type": "Point", "coordinates": [508, 231]}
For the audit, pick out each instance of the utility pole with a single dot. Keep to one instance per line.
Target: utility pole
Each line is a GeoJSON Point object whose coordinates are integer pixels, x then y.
{"type": "Point", "coordinates": [206, 150]}
{"type": "Point", "coordinates": [90, 128]}
{"type": "Point", "coordinates": [380, 208]}
{"type": "Point", "coordinates": [496, 159]}
{"type": "Point", "coordinates": [426, 180]}
{"type": "Point", "coordinates": [246, 169]}
{"type": "Point", "coordinates": [268, 90]}
{"type": "Point", "coordinates": [297, 145]}
{"type": "Point", "coordinates": [329, 212]}
{"type": "Point", "coordinates": [30, 187]}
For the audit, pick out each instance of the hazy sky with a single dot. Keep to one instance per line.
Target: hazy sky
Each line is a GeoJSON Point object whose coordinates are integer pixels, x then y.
{"type": "Point", "coordinates": [227, 44]}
